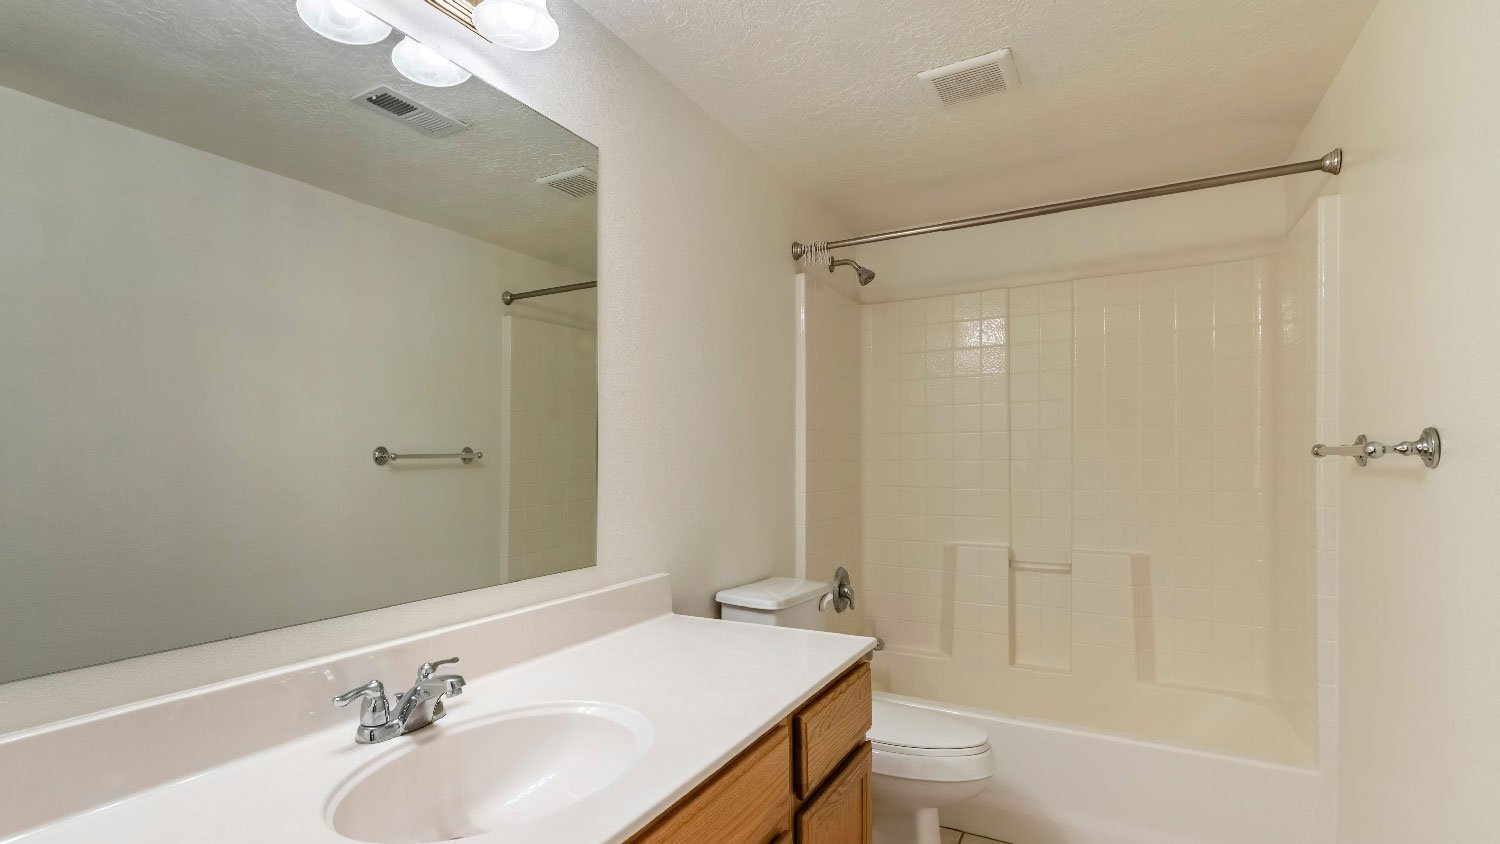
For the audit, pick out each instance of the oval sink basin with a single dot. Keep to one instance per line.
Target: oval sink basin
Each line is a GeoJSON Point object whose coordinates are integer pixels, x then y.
{"type": "Point", "coordinates": [505, 772]}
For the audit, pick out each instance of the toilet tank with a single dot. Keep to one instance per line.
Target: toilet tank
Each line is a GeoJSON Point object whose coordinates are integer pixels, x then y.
{"type": "Point", "coordinates": [780, 601]}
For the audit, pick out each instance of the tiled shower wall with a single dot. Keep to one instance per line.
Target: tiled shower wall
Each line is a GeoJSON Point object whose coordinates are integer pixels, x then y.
{"type": "Point", "coordinates": [1124, 413]}
{"type": "Point", "coordinates": [936, 451]}
{"type": "Point", "coordinates": [551, 447]}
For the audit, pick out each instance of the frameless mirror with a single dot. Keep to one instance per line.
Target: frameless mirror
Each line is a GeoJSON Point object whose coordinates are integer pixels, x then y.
{"type": "Point", "coordinates": [236, 257]}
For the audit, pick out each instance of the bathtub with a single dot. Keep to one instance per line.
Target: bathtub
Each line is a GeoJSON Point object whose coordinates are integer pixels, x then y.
{"type": "Point", "coordinates": [1058, 784]}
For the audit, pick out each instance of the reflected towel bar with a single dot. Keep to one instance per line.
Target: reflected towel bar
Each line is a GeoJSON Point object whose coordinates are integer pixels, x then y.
{"type": "Point", "coordinates": [383, 455]}
{"type": "Point", "coordinates": [508, 297]}
{"type": "Point", "coordinates": [1428, 446]}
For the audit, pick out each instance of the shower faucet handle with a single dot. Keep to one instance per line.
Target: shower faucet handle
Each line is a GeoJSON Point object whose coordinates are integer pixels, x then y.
{"type": "Point", "coordinates": [842, 594]}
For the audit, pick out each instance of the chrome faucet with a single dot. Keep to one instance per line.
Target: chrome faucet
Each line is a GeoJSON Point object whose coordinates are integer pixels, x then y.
{"type": "Point", "coordinates": [416, 707]}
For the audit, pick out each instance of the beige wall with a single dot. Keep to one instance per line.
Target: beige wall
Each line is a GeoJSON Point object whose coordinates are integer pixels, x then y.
{"type": "Point", "coordinates": [1415, 109]}
{"type": "Point", "coordinates": [696, 331]}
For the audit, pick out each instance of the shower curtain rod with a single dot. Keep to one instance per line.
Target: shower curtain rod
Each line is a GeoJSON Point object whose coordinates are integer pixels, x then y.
{"type": "Point", "coordinates": [1333, 162]}
{"type": "Point", "coordinates": [507, 297]}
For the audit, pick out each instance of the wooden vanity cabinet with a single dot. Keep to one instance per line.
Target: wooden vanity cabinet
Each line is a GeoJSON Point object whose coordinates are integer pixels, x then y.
{"type": "Point", "coordinates": [806, 781]}
{"type": "Point", "coordinates": [840, 812]}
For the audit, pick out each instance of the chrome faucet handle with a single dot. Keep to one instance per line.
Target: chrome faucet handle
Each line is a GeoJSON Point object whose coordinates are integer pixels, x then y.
{"type": "Point", "coordinates": [375, 711]}
{"type": "Point", "coordinates": [430, 668]}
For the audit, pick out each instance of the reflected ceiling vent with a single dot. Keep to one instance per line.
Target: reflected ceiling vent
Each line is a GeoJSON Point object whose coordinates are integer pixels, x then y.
{"type": "Point", "coordinates": [428, 121]}
{"type": "Point", "coordinates": [973, 78]}
{"type": "Point", "coordinates": [577, 183]}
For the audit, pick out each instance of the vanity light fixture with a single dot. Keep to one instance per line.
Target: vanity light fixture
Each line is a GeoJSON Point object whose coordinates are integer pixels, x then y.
{"type": "Point", "coordinates": [425, 66]}
{"type": "Point", "coordinates": [517, 24]}
{"type": "Point", "coordinates": [342, 21]}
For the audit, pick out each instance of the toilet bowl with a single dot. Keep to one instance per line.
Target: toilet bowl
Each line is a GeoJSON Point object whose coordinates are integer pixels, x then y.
{"type": "Point", "coordinates": [921, 762]}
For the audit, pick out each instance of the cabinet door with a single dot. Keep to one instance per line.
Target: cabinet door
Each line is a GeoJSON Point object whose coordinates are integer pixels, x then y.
{"type": "Point", "coordinates": [840, 812]}
{"type": "Point", "coordinates": [748, 802]}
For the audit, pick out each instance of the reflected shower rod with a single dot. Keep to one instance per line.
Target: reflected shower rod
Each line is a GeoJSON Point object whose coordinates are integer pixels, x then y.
{"type": "Point", "coordinates": [508, 297]}
{"type": "Point", "coordinates": [1332, 163]}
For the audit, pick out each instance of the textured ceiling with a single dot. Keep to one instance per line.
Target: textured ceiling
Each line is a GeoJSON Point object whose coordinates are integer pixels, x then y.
{"type": "Point", "coordinates": [1114, 94]}
{"type": "Point", "coordinates": [247, 80]}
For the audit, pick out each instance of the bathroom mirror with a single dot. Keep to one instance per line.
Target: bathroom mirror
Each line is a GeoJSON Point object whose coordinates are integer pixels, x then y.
{"type": "Point", "coordinates": [236, 257]}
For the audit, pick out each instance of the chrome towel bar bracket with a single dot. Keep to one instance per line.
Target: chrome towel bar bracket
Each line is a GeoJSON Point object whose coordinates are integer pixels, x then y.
{"type": "Point", "coordinates": [383, 455]}
{"type": "Point", "coordinates": [1429, 447]}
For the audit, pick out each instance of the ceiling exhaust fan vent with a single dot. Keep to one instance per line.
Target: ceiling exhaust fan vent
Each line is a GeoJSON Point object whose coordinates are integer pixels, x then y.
{"type": "Point", "coordinates": [980, 76]}
{"type": "Point", "coordinates": [577, 183]}
{"type": "Point", "coordinates": [404, 109]}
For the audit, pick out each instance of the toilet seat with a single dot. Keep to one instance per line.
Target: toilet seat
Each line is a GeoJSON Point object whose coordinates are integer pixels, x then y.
{"type": "Point", "coordinates": [918, 744]}
{"type": "Point", "coordinates": [911, 731]}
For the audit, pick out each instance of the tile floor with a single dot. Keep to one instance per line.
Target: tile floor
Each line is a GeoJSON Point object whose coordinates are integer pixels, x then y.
{"type": "Point", "coordinates": [954, 836]}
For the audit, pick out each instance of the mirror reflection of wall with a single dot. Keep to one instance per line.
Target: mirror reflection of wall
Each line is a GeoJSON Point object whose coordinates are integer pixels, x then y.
{"type": "Point", "coordinates": [228, 276]}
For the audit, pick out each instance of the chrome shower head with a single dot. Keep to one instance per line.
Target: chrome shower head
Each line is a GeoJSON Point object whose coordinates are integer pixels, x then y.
{"type": "Point", "coordinates": [865, 276]}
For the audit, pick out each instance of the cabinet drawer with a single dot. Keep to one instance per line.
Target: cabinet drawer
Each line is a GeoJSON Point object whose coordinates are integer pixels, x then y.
{"type": "Point", "coordinates": [748, 802]}
{"type": "Point", "coordinates": [840, 813]}
{"type": "Point", "coordinates": [826, 730]}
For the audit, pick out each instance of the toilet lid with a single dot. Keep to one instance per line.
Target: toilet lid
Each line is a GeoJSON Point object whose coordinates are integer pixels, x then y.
{"type": "Point", "coordinates": [921, 732]}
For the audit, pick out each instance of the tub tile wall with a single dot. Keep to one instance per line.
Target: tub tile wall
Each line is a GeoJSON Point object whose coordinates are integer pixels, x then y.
{"type": "Point", "coordinates": [1041, 422]}
{"type": "Point", "coordinates": [1171, 407]}
{"type": "Point", "coordinates": [1042, 625]}
{"type": "Point", "coordinates": [1123, 413]}
{"type": "Point", "coordinates": [935, 453]}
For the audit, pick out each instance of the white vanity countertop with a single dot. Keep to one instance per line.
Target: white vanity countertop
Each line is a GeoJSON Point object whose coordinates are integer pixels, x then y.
{"type": "Point", "coordinates": [709, 689]}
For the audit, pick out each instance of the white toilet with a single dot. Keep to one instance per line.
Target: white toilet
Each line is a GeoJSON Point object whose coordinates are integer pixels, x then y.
{"type": "Point", "coordinates": [922, 760]}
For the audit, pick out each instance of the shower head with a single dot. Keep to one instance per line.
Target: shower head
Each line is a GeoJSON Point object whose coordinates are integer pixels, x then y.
{"type": "Point", "coordinates": [865, 276]}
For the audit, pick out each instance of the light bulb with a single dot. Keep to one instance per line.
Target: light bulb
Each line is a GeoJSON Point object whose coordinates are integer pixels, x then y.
{"type": "Point", "coordinates": [342, 21]}
{"type": "Point", "coordinates": [425, 66]}
{"type": "Point", "coordinates": [517, 24]}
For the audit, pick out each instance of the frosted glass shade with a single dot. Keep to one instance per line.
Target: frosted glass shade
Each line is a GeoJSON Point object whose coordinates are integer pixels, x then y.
{"type": "Point", "coordinates": [342, 21]}
{"type": "Point", "coordinates": [425, 66]}
{"type": "Point", "coordinates": [517, 24]}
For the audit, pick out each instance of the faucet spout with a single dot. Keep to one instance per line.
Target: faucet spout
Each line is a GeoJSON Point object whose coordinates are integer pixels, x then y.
{"type": "Point", "coordinates": [423, 702]}
{"type": "Point", "coordinates": [417, 707]}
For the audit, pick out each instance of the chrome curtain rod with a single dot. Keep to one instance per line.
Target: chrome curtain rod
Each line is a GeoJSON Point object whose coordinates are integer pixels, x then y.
{"type": "Point", "coordinates": [1333, 162]}
{"type": "Point", "coordinates": [508, 297]}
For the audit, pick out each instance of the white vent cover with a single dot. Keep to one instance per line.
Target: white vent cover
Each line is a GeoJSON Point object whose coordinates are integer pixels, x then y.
{"type": "Point", "coordinates": [400, 107]}
{"type": "Point", "coordinates": [971, 78]}
{"type": "Point", "coordinates": [577, 183]}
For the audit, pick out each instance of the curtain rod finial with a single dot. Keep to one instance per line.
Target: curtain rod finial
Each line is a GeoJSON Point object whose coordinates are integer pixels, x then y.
{"type": "Point", "coordinates": [1333, 162]}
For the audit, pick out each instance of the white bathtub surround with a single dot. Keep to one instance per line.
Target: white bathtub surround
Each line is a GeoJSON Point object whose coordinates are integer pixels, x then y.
{"type": "Point", "coordinates": [1074, 496]}
{"type": "Point", "coordinates": [1067, 495]}
{"type": "Point", "coordinates": [259, 759]}
{"type": "Point", "coordinates": [1122, 413]}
